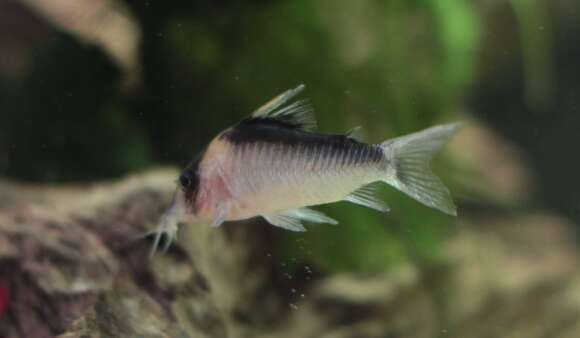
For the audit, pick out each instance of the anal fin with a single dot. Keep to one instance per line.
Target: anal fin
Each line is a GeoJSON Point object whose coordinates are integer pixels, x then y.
{"type": "Point", "coordinates": [366, 196]}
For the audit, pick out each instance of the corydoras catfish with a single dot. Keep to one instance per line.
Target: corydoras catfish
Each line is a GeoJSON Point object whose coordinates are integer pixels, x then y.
{"type": "Point", "coordinates": [275, 165]}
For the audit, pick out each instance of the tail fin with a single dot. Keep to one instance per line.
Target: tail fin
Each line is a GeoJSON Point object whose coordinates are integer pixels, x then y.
{"type": "Point", "coordinates": [409, 156]}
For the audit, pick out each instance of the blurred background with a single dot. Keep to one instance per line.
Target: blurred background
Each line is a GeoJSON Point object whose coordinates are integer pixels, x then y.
{"type": "Point", "coordinates": [95, 90]}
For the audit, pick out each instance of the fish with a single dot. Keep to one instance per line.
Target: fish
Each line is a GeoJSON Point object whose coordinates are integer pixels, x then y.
{"type": "Point", "coordinates": [276, 165]}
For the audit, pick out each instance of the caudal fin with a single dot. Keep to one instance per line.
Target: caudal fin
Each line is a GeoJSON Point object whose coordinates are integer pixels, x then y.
{"type": "Point", "coordinates": [410, 155]}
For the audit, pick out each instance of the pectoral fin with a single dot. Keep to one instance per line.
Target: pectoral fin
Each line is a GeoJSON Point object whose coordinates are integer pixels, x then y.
{"type": "Point", "coordinates": [220, 216]}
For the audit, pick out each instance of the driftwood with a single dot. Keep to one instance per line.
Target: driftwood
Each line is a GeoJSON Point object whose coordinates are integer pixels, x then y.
{"type": "Point", "coordinates": [73, 264]}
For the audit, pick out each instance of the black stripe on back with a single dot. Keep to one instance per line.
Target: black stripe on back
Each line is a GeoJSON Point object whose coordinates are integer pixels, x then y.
{"type": "Point", "coordinates": [275, 131]}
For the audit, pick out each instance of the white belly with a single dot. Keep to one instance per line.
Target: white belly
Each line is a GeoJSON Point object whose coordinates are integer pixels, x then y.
{"type": "Point", "coordinates": [298, 192]}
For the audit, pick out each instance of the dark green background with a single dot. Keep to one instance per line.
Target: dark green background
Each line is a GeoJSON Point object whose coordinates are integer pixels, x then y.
{"type": "Point", "coordinates": [392, 67]}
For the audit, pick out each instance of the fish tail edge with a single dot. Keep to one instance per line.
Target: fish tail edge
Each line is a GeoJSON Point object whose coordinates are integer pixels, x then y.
{"type": "Point", "coordinates": [410, 155]}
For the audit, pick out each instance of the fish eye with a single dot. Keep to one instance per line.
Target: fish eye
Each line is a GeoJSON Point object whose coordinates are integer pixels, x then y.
{"type": "Point", "coordinates": [184, 181]}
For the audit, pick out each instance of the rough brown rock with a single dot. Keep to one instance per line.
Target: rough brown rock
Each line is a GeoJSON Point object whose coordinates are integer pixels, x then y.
{"type": "Point", "coordinates": [75, 266]}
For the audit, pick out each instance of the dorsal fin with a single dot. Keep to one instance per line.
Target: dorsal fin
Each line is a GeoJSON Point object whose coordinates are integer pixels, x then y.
{"type": "Point", "coordinates": [355, 134]}
{"type": "Point", "coordinates": [299, 114]}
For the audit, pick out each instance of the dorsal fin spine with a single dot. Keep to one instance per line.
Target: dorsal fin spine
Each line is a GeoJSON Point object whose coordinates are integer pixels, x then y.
{"type": "Point", "coordinates": [298, 114]}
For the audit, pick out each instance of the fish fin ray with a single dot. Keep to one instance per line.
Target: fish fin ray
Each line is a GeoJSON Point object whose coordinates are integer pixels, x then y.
{"type": "Point", "coordinates": [355, 134]}
{"type": "Point", "coordinates": [410, 156]}
{"type": "Point", "coordinates": [292, 219]}
{"type": "Point", "coordinates": [310, 215]}
{"type": "Point", "coordinates": [270, 106]}
{"type": "Point", "coordinates": [366, 196]}
{"type": "Point", "coordinates": [298, 114]}
{"type": "Point", "coordinates": [220, 216]}
{"type": "Point", "coordinates": [285, 222]}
